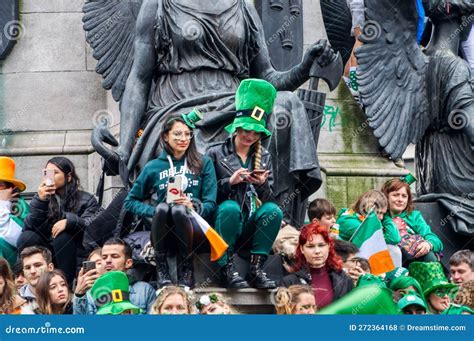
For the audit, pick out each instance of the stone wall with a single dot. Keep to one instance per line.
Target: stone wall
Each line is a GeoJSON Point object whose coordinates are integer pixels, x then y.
{"type": "Point", "coordinates": [51, 97]}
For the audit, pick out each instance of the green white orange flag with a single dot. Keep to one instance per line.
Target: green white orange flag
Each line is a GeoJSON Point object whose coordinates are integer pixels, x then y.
{"type": "Point", "coordinates": [218, 245]}
{"type": "Point", "coordinates": [372, 246]}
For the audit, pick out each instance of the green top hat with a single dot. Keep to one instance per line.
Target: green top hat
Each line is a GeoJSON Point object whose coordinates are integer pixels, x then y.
{"type": "Point", "coordinates": [254, 103]}
{"type": "Point", "coordinates": [192, 118]}
{"type": "Point", "coordinates": [409, 178]}
{"type": "Point", "coordinates": [411, 298]}
{"type": "Point", "coordinates": [430, 275]}
{"type": "Point", "coordinates": [111, 294]}
{"type": "Point", "coordinates": [396, 273]}
{"type": "Point", "coordinates": [369, 279]}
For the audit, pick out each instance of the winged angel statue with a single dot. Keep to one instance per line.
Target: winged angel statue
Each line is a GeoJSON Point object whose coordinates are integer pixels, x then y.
{"type": "Point", "coordinates": [423, 96]}
{"type": "Point", "coordinates": [165, 57]}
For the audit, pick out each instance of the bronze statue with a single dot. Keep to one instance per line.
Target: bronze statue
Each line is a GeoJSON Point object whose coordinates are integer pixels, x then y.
{"type": "Point", "coordinates": [165, 57]}
{"type": "Point", "coordinates": [411, 95]}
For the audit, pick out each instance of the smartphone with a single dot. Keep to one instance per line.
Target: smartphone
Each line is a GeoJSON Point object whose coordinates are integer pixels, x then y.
{"type": "Point", "coordinates": [48, 177]}
{"type": "Point", "coordinates": [88, 265]}
{"type": "Point", "coordinates": [174, 189]}
{"type": "Point", "coordinates": [258, 172]}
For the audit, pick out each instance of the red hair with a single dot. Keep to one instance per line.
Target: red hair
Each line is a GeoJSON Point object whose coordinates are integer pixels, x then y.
{"type": "Point", "coordinates": [394, 185]}
{"type": "Point", "coordinates": [334, 261]}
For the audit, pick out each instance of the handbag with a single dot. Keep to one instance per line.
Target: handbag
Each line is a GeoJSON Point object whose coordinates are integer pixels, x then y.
{"type": "Point", "coordinates": [409, 242]}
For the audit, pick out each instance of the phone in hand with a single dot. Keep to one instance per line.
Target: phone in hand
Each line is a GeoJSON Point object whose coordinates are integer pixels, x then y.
{"type": "Point", "coordinates": [174, 189]}
{"type": "Point", "coordinates": [258, 172]}
{"type": "Point", "coordinates": [48, 177]}
{"type": "Point", "coordinates": [88, 266]}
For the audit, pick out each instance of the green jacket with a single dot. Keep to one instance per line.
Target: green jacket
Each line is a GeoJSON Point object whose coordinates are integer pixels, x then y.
{"type": "Point", "coordinates": [419, 226]}
{"type": "Point", "coordinates": [154, 179]}
{"type": "Point", "coordinates": [350, 221]}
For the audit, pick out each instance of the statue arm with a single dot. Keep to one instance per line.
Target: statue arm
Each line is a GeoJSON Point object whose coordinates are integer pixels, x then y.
{"type": "Point", "coordinates": [137, 89]}
{"type": "Point", "coordinates": [290, 80]}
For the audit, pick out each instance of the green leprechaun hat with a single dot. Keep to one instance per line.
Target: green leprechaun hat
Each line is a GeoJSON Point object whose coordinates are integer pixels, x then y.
{"type": "Point", "coordinates": [430, 275]}
{"type": "Point", "coordinates": [369, 279]}
{"type": "Point", "coordinates": [254, 101]}
{"type": "Point", "coordinates": [192, 118]}
{"type": "Point", "coordinates": [111, 294]}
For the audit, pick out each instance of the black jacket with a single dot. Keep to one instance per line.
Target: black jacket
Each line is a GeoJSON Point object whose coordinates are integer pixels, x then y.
{"type": "Point", "coordinates": [226, 162]}
{"type": "Point", "coordinates": [341, 283]}
{"type": "Point", "coordinates": [37, 218]}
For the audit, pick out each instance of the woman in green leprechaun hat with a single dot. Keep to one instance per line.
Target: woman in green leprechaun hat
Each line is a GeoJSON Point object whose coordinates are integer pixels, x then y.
{"type": "Point", "coordinates": [178, 181]}
{"type": "Point", "coordinates": [246, 215]}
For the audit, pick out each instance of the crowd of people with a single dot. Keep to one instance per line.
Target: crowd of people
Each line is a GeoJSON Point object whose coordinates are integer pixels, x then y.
{"type": "Point", "coordinates": [47, 265]}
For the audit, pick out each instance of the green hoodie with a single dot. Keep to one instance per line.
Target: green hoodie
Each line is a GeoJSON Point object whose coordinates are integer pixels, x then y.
{"type": "Point", "coordinates": [154, 179]}
{"type": "Point", "coordinates": [419, 226]}
{"type": "Point", "coordinates": [349, 222]}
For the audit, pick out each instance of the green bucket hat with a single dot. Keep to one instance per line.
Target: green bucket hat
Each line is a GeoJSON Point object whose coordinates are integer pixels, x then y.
{"type": "Point", "coordinates": [111, 294]}
{"type": "Point", "coordinates": [369, 279]}
{"type": "Point", "coordinates": [430, 275]}
{"type": "Point", "coordinates": [254, 101]}
{"type": "Point", "coordinates": [192, 118]}
{"type": "Point", "coordinates": [411, 298]}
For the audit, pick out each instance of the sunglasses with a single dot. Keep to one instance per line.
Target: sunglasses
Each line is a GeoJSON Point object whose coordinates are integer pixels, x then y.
{"type": "Point", "coordinates": [441, 292]}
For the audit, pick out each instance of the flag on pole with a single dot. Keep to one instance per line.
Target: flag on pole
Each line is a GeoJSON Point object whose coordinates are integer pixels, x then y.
{"type": "Point", "coordinates": [372, 246]}
{"type": "Point", "coordinates": [218, 245]}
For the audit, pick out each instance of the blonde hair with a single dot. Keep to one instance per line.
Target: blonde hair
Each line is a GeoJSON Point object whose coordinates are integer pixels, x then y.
{"type": "Point", "coordinates": [372, 199]}
{"type": "Point", "coordinates": [222, 301]}
{"type": "Point", "coordinates": [287, 298]}
{"type": "Point", "coordinates": [167, 292]}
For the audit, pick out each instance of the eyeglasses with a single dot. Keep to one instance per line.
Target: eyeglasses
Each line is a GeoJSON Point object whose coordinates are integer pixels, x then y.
{"type": "Point", "coordinates": [441, 292]}
{"type": "Point", "coordinates": [179, 135]}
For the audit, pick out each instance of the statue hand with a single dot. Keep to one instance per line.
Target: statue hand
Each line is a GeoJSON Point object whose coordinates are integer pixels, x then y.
{"type": "Point", "coordinates": [320, 51]}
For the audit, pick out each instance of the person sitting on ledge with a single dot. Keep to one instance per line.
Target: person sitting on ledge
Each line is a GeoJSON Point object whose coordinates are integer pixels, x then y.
{"type": "Point", "coordinates": [181, 169]}
{"type": "Point", "coordinates": [295, 300]}
{"type": "Point", "coordinates": [246, 214]}
{"type": "Point", "coordinates": [418, 242]}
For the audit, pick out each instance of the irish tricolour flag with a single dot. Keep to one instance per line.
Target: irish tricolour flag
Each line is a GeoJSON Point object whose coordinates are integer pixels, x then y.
{"type": "Point", "coordinates": [369, 238]}
{"type": "Point", "coordinates": [218, 245]}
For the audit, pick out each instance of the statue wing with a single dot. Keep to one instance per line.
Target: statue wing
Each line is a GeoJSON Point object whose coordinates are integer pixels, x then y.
{"type": "Point", "coordinates": [338, 23]}
{"type": "Point", "coordinates": [110, 31]}
{"type": "Point", "coordinates": [392, 75]}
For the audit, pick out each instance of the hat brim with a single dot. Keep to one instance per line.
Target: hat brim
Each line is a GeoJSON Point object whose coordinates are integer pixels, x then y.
{"type": "Point", "coordinates": [437, 286]}
{"type": "Point", "coordinates": [17, 183]}
{"type": "Point", "coordinates": [231, 128]}
{"type": "Point", "coordinates": [118, 308]}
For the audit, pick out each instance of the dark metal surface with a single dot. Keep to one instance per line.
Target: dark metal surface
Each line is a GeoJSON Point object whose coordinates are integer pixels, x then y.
{"type": "Point", "coordinates": [9, 26]}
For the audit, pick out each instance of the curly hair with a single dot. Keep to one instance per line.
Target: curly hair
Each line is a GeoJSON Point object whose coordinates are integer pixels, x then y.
{"type": "Point", "coordinates": [166, 292]}
{"type": "Point", "coordinates": [334, 261]}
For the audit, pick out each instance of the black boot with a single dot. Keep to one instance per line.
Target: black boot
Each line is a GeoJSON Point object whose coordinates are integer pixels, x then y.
{"type": "Point", "coordinates": [162, 270]}
{"type": "Point", "coordinates": [186, 272]}
{"type": "Point", "coordinates": [229, 276]}
{"type": "Point", "coordinates": [256, 277]}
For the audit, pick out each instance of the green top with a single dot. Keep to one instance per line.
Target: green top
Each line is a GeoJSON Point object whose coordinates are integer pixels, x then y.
{"type": "Point", "coordinates": [154, 179]}
{"type": "Point", "coordinates": [419, 226]}
{"type": "Point", "coordinates": [349, 221]}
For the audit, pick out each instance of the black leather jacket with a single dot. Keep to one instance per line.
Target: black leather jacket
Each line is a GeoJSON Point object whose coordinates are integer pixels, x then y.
{"type": "Point", "coordinates": [226, 162]}
{"type": "Point", "coordinates": [37, 219]}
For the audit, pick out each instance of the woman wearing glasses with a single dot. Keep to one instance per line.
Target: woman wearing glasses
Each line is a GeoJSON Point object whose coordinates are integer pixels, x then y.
{"type": "Point", "coordinates": [179, 180]}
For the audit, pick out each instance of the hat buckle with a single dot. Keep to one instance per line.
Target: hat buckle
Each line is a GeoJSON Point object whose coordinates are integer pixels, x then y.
{"type": "Point", "coordinates": [117, 295]}
{"type": "Point", "coordinates": [257, 113]}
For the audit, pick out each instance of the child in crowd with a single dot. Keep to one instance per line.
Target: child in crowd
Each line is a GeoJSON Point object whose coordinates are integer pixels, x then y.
{"type": "Point", "coordinates": [295, 300]}
{"type": "Point", "coordinates": [323, 212]}
{"type": "Point", "coordinates": [215, 304]}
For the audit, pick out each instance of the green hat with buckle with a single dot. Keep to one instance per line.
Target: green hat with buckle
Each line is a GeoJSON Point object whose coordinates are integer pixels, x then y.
{"type": "Point", "coordinates": [254, 101]}
{"type": "Point", "coordinates": [111, 294]}
{"type": "Point", "coordinates": [192, 118]}
{"type": "Point", "coordinates": [430, 275]}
